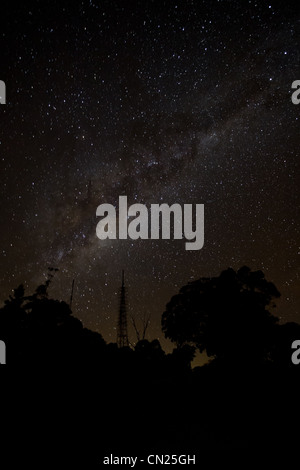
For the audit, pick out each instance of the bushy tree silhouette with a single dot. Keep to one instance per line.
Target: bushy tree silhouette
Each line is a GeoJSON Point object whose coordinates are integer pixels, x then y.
{"type": "Point", "coordinates": [228, 317]}
{"type": "Point", "coordinates": [225, 316]}
{"type": "Point", "coordinates": [149, 357]}
{"type": "Point", "coordinates": [37, 329]}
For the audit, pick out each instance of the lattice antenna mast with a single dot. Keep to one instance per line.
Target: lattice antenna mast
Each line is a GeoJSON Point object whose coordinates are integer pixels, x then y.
{"type": "Point", "coordinates": [122, 333]}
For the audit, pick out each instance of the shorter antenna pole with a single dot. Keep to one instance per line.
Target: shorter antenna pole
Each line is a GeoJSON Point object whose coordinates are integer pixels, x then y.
{"type": "Point", "coordinates": [72, 290]}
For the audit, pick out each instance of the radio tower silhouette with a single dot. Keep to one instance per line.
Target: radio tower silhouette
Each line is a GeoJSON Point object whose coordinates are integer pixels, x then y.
{"type": "Point", "coordinates": [122, 334]}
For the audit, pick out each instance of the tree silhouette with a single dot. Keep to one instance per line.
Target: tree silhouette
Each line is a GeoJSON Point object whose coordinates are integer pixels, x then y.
{"type": "Point", "coordinates": [37, 329]}
{"type": "Point", "coordinates": [149, 351]}
{"type": "Point", "coordinates": [13, 320]}
{"type": "Point", "coordinates": [225, 316]}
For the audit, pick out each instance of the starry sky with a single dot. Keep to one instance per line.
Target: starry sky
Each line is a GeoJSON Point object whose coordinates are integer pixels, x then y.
{"type": "Point", "coordinates": [161, 101]}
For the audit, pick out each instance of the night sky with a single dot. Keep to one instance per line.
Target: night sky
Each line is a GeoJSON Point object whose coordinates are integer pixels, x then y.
{"type": "Point", "coordinates": [161, 101]}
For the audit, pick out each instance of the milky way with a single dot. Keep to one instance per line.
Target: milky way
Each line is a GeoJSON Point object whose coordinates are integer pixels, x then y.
{"type": "Point", "coordinates": [186, 102]}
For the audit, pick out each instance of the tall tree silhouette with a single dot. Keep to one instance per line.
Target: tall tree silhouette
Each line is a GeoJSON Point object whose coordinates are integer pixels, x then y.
{"type": "Point", "coordinates": [225, 316]}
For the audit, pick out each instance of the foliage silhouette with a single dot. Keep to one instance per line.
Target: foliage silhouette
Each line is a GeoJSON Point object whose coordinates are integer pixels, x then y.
{"type": "Point", "coordinates": [37, 329]}
{"type": "Point", "coordinates": [225, 316]}
{"type": "Point", "coordinates": [208, 407]}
